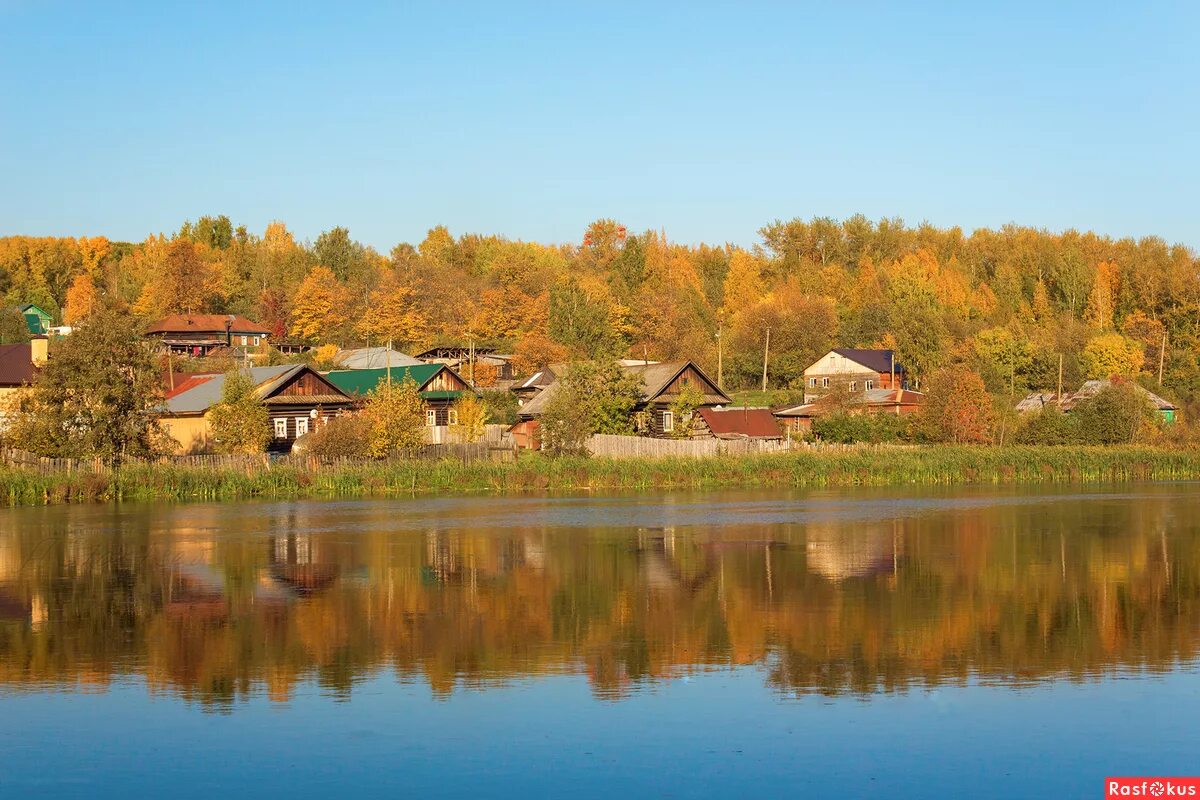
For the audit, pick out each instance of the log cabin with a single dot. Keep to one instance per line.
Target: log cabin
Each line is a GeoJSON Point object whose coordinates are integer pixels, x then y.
{"type": "Point", "coordinates": [197, 335]}
{"type": "Point", "coordinates": [439, 385]}
{"type": "Point", "coordinates": [297, 399]}
{"type": "Point", "coordinates": [654, 415]}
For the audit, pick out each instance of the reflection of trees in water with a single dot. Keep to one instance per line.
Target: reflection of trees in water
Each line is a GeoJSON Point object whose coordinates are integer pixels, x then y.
{"type": "Point", "coordinates": [1008, 593]}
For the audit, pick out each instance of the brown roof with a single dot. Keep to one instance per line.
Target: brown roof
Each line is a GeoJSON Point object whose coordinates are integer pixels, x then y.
{"type": "Point", "coordinates": [16, 364]}
{"type": "Point", "coordinates": [207, 323]}
{"type": "Point", "coordinates": [736, 423]}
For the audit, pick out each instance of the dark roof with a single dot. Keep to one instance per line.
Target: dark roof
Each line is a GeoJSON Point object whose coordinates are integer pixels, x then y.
{"type": "Point", "coordinates": [655, 377]}
{"type": "Point", "coordinates": [16, 364]}
{"type": "Point", "coordinates": [208, 323]}
{"type": "Point", "coordinates": [201, 392]}
{"type": "Point", "coordinates": [878, 360]}
{"type": "Point", "coordinates": [364, 381]}
{"type": "Point", "coordinates": [736, 423]}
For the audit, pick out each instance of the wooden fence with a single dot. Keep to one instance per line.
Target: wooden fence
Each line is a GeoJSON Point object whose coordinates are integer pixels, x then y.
{"type": "Point", "coordinates": [610, 446]}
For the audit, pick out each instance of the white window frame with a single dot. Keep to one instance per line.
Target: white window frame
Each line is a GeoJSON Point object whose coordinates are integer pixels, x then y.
{"type": "Point", "coordinates": [854, 386]}
{"type": "Point", "coordinates": [668, 421]}
{"type": "Point", "coordinates": [301, 426]}
{"type": "Point", "coordinates": [280, 422]}
{"type": "Point", "coordinates": [256, 341]}
{"type": "Point", "coordinates": [431, 418]}
{"type": "Point", "coordinates": [452, 416]}
{"type": "Point", "coordinates": [870, 384]}
{"type": "Point", "coordinates": [824, 383]}
{"type": "Point", "coordinates": [245, 341]}
{"type": "Point", "coordinates": [812, 383]}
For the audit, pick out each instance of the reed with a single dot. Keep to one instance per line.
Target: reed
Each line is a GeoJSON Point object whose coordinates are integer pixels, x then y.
{"type": "Point", "coordinates": [876, 466]}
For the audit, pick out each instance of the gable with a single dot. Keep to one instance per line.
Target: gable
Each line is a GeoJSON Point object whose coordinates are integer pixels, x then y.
{"type": "Point", "coordinates": [306, 383]}
{"type": "Point", "coordinates": [835, 363]}
{"type": "Point", "coordinates": [688, 376]}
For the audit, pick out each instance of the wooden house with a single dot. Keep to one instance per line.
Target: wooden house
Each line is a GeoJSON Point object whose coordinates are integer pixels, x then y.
{"type": "Point", "coordinates": [1038, 400]}
{"type": "Point", "coordinates": [469, 360]}
{"type": "Point", "coordinates": [854, 371]}
{"type": "Point", "coordinates": [198, 335]}
{"type": "Point", "coordinates": [439, 385]}
{"type": "Point", "coordinates": [797, 420]}
{"type": "Point", "coordinates": [19, 367]}
{"type": "Point", "coordinates": [654, 415]}
{"type": "Point", "coordinates": [38, 321]}
{"type": "Point", "coordinates": [297, 399]}
{"type": "Point", "coordinates": [529, 388]}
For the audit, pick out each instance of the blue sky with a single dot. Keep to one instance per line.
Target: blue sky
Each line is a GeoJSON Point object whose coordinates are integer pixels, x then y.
{"type": "Point", "coordinates": [530, 120]}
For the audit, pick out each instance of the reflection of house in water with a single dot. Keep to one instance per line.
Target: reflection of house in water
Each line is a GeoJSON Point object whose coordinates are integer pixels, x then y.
{"type": "Point", "coordinates": [294, 563]}
{"type": "Point", "coordinates": [196, 592]}
{"type": "Point", "coordinates": [13, 604]}
{"type": "Point", "coordinates": [667, 562]}
{"type": "Point", "coordinates": [453, 560]}
{"type": "Point", "coordinates": [840, 552]}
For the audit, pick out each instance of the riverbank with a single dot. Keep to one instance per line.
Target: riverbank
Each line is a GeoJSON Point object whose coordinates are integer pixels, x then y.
{"type": "Point", "coordinates": [879, 466]}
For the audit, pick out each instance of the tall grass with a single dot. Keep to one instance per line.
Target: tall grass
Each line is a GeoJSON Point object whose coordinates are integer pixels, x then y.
{"type": "Point", "coordinates": [867, 467]}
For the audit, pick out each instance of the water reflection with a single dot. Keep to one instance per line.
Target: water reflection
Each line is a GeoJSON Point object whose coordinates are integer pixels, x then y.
{"type": "Point", "coordinates": [835, 595]}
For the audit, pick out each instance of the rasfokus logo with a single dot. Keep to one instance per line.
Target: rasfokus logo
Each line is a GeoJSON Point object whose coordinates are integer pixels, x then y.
{"type": "Point", "coordinates": [1151, 787]}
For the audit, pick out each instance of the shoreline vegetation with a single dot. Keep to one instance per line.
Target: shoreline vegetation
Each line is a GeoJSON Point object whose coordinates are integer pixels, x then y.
{"type": "Point", "coordinates": [876, 466]}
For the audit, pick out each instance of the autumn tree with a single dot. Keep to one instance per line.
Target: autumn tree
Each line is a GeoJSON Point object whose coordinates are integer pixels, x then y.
{"type": "Point", "coordinates": [470, 419]}
{"type": "Point", "coordinates": [396, 413]}
{"type": "Point", "coordinates": [392, 315]}
{"type": "Point", "coordinates": [1112, 354]}
{"type": "Point", "coordinates": [957, 408]}
{"type": "Point", "coordinates": [82, 299]}
{"type": "Point", "coordinates": [319, 310]}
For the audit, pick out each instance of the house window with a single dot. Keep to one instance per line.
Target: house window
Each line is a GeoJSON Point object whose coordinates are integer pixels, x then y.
{"type": "Point", "coordinates": [824, 383]}
{"type": "Point", "coordinates": [431, 418]}
{"type": "Point", "coordinates": [854, 386]}
{"type": "Point", "coordinates": [641, 421]}
{"type": "Point", "coordinates": [668, 421]}
{"type": "Point", "coordinates": [245, 341]}
{"type": "Point", "coordinates": [452, 416]}
{"type": "Point", "coordinates": [256, 339]}
{"type": "Point", "coordinates": [301, 426]}
{"type": "Point", "coordinates": [812, 383]}
{"type": "Point", "coordinates": [870, 384]}
{"type": "Point", "coordinates": [281, 427]}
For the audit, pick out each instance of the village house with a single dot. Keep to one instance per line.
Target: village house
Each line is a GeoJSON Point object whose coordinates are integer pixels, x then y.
{"type": "Point", "coordinates": [654, 414]}
{"type": "Point", "coordinates": [19, 367]}
{"type": "Point", "coordinates": [38, 321]}
{"type": "Point", "coordinates": [737, 423]}
{"type": "Point", "coordinates": [480, 365]}
{"type": "Point", "coordinates": [797, 419]}
{"type": "Point", "coordinates": [854, 371]}
{"type": "Point", "coordinates": [297, 399]}
{"type": "Point", "coordinates": [1036, 401]}
{"type": "Point", "coordinates": [373, 358]}
{"type": "Point", "coordinates": [440, 388]}
{"type": "Point", "coordinates": [198, 335]}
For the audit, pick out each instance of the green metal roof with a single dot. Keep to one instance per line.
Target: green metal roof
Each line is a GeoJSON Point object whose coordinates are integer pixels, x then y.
{"type": "Point", "coordinates": [364, 381]}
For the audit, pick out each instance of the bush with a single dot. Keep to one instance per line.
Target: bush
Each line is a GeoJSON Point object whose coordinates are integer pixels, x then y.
{"type": "Point", "coordinates": [1120, 413]}
{"type": "Point", "coordinates": [346, 436]}
{"type": "Point", "coordinates": [843, 428]}
{"type": "Point", "coordinates": [501, 406]}
{"type": "Point", "coordinates": [1050, 426]}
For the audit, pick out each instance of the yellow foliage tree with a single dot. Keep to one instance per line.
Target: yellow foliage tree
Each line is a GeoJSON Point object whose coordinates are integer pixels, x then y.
{"type": "Point", "coordinates": [392, 315]}
{"type": "Point", "coordinates": [1101, 302]}
{"type": "Point", "coordinates": [319, 308]}
{"type": "Point", "coordinates": [1112, 354]}
{"type": "Point", "coordinates": [470, 419]}
{"type": "Point", "coordinates": [82, 299]}
{"type": "Point", "coordinates": [397, 418]}
{"type": "Point", "coordinates": [743, 283]}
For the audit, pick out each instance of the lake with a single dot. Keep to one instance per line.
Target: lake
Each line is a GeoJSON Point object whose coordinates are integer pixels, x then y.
{"type": "Point", "coordinates": [891, 643]}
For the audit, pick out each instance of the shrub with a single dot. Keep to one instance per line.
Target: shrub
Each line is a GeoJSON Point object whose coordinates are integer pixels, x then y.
{"type": "Point", "coordinates": [1050, 426]}
{"type": "Point", "coordinates": [346, 436]}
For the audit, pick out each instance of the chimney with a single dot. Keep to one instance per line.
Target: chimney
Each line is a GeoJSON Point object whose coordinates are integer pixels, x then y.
{"type": "Point", "coordinates": [228, 333]}
{"type": "Point", "coordinates": [39, 351]}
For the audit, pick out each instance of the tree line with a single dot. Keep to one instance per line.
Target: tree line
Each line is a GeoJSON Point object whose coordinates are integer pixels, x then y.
{"type": "Point", "coordinates": [1007, 304]}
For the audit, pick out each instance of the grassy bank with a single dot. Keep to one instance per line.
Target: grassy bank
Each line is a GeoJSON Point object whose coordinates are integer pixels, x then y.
{"type": "Point", "coordinates": [866, 467]}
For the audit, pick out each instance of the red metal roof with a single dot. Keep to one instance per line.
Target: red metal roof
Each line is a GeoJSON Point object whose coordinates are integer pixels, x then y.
{"type": "Point", "coordinates": [754, 423]}
{"type": "Point", "coordinates": [207, 323]}
{"type": "Point", "coordinates": [16, 364]}
{"type": "Point", "coordinates": [190, 382]}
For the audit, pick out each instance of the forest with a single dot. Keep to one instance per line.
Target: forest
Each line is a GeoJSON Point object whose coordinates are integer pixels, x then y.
{"type": "Point", "coordinates": [1008, 303]}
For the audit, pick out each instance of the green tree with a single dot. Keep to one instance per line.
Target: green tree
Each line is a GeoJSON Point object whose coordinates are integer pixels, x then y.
{"type": "Point", "coordinates": [240, 423]}
{"type": "Point", "coordinates": [1120, 413]}
{"type": "Point", "coordinates": [684, 411]}
{"type": "Point", "coordinates": [96, 396]}
{"type": "Point", "coordinates": [13, 328]}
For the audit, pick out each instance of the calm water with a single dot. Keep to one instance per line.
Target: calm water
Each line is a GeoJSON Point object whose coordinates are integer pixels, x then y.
{"type": "Point", "coordinates": [871, 644]}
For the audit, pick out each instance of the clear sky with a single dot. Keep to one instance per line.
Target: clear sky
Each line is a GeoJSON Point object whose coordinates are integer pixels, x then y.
{"type": "Point", "coordinates": [530, 120]}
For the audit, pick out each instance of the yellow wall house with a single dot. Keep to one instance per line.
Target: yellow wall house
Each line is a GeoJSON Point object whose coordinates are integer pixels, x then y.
{"type": "Point", "coordinates": [297, 400]}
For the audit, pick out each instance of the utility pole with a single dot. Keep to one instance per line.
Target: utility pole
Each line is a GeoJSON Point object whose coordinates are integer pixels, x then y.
{"type": "Point", "coordinates": [766, 354]}
{"type": "Point", "coordinates": [389, 363]}
{"type": "Point", "coordinates": [472, 362]}
{"type": "Point", "coordinates": [1058, 397]}
{"type": "Point", "coordinates": [1162, 354]}
{"type": "Point", "coordinates": [720, 358]}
